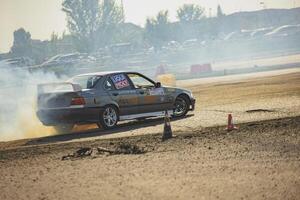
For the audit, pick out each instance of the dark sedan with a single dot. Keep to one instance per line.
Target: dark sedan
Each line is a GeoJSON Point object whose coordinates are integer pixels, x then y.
{"type": "Point", "coordinates": [108, 97]}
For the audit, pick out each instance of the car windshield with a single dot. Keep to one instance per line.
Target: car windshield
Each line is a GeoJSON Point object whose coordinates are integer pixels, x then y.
{"type": "Point", "coordinates": [139, 81]}
{"type": "Point", "coordinates": [86, 81]}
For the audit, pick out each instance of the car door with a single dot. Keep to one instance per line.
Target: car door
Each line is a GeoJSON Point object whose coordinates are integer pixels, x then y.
{"type": "Point", "coordinates": [151, 98]}
{"type": "Point", "coordinates": [122, 92]}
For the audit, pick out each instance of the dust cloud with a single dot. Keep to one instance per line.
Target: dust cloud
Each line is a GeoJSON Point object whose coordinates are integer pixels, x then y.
{"type": "Point", "coordinates": [18, 92]}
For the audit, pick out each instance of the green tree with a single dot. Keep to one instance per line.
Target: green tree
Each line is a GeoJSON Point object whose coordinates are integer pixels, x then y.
{"type": "Point", "coordinates": [83, 18]}
{"type": "Point", "coordinates": [220, 12]}
{"type": "Point", "coordinates": [111, 16]}
{"type": "Point", "coordinates": [92, 23]}
{"type": "Point", "coordinates": [190, 13]}
{"type": "Point", "coordinates": [53, 44]}
{"type": "Point", "coordinates": [189, 16]}
{"type": "Point", "coordinates": [111, 13]}
{"type": "Point", "coordinates": [22, 45]}
{"type": "Point", "coordinates": [157, 30]}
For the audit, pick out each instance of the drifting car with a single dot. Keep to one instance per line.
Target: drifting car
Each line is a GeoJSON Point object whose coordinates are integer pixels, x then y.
{"type": "Point", "coordinates": [108, 97]}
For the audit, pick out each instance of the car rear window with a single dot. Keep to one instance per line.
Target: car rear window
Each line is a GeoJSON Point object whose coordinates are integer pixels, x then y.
{"type": "Point", "coordinates": [86, 81]}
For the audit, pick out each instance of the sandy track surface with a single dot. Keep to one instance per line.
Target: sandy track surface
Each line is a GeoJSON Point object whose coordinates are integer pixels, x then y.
{"type": "Point", "coordinates": [259, 161]}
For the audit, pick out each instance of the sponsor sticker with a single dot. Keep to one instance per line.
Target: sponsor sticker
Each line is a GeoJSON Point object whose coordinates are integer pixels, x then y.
{"type": "Point", "coordinates": [157, 91]}
{"type": "Point", "coordinates": [171, 90]}
{"type": "Point", "coordinates": [120, 81]}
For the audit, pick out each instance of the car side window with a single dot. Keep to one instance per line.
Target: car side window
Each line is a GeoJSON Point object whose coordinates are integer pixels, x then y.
{"type": "Point", "coordinates": [140, 82]}
{"type": "Point", "coordinates": [108, 85]}
{"type": "Point", "coordinates": [120, 82]}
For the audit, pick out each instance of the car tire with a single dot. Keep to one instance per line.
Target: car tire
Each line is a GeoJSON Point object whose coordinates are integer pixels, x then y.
{"type": "Point", "coordinates": [64, 128]}
{"type": "Point", "coordinates": [181, 107]}
{"type": "Point", "coordinates": [109, 117]}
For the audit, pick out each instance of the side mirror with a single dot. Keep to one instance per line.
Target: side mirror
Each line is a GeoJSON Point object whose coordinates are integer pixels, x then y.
{"type": "Point", "coordinates": [157, 84]}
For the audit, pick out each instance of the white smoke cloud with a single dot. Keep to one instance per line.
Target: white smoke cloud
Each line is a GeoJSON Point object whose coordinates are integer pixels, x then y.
{"type": "Point", "coordinates": [18, 91]}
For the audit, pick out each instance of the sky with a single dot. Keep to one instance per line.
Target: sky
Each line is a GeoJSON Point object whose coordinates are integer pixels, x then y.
{"type": "Point", "coordinates": [42, 17]}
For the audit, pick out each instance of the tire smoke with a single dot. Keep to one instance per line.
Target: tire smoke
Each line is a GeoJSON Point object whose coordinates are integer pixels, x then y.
{"type": "Point", "coordinates": [18, 93]}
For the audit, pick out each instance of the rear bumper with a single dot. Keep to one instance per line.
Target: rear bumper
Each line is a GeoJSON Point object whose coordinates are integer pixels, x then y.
{"type": "Point", "coordinates": [52, 117]}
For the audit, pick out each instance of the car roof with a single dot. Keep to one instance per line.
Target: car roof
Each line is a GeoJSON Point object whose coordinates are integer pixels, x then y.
{"type": "Point", "coordinates": [104, 73]}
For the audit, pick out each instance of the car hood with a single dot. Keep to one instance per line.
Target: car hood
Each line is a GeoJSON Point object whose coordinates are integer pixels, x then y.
{"type": "Point", "coordinates": [177, 90]}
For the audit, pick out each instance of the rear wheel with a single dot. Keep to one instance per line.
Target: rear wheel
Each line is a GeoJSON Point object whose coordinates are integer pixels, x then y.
{"type": "Point", "coordinates": [181, 106]}
{"type": "Point", "coordinates": [108, 117]}
{"type": "Point", "coordinates": [64, 128]}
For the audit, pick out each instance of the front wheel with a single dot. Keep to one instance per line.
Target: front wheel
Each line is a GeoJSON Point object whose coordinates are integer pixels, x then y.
{"type": "Point", "coordinates": [181, 106]}
{"type": "Point", "coordinates": [108, 117]}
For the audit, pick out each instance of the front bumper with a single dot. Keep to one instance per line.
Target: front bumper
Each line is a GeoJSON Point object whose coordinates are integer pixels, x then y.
{"type": "Point", "coordinates": [52, 117]}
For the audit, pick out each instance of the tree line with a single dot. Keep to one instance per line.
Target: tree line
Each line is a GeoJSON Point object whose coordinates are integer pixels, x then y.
{"type": "Point", "coordinates": [95, 24]}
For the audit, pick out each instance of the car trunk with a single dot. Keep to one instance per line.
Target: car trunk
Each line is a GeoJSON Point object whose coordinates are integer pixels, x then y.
{"type": "Point", "coordinates": [57, 95]}
{"type": "Point", "coordinates": [56, 100]}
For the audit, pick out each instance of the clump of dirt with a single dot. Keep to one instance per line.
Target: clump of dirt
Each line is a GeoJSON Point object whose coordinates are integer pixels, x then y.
{"type": "Point", "coordinates": [126, 148]}
{"type": "Point", "coordinates": [80, 153]}
{"type": "Point", "coordinates": [259, 110]}
{"type": "Point", "coordinates": [122, 148]}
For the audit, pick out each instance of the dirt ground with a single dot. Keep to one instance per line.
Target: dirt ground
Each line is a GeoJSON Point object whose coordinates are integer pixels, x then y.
{"type": "Point", "coordinates": [261, 160]}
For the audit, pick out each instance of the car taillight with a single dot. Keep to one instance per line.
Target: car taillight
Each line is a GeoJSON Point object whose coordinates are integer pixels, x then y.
{"type": "Point", "coordinates": [78, 101]}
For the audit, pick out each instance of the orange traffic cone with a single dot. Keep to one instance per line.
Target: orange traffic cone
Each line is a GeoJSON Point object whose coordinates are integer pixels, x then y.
{"type": "Point", "coordinates": [167, 134]}
{"type": "Point", "coordinates": [230, 125]}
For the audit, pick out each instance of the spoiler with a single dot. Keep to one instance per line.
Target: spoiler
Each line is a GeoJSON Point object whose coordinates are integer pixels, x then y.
{"type": "Point", "coordinates": [59, 87]}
